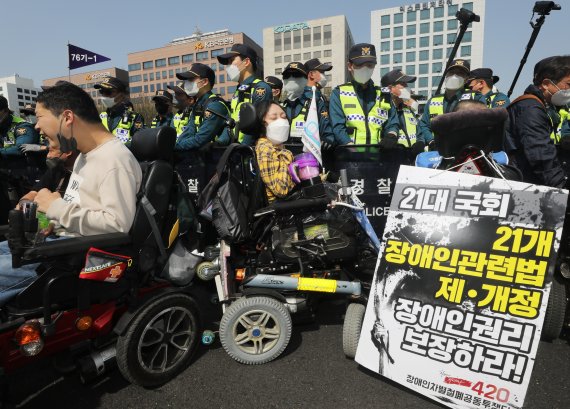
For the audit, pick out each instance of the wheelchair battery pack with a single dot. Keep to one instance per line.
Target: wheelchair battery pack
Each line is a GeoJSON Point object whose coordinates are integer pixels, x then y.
{"type": "Point", "coordinates": [104, 266]}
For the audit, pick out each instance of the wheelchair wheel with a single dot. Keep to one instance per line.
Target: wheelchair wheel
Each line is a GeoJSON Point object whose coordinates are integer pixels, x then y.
{"type": "Point", "coordinates": [555, 311]}
{"type": "Point", "coordinates": [255, 330]}
{"type": "Point", "coordinates": [351, 328]}
{"type": "Point", "coordinates": [160, 341]}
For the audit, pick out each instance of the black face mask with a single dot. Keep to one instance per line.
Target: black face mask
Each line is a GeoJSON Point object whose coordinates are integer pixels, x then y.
{"type": "Point", "coordinates": [55, 163]}
{"type": "Point", "coordinates": [161, 109]}
{"type": "Point", "coordinates": [66, 145]}
{"type": "Point", "coordinates": [5, 123]}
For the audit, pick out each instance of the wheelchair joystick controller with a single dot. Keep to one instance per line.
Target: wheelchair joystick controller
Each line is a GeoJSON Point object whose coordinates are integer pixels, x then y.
{"type": "Point", "coordinates": [29, 212]}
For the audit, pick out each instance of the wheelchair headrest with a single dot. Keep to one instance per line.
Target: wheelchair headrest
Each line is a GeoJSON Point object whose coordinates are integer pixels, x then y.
{"type": "Point", "coordinates": [483, 128]}
{"type": "Point", "coordinates": [153, 144]}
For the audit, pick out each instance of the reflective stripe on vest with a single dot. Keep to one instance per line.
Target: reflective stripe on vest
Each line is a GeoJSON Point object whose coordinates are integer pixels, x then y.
{"type": "Point", "coordinates": [298, 123]}
{"type": "Point", "coordinates": [563, 117]}
{"type": "Point", "coordinates": [239, 97]}
{"type": "Point", "coordinates": [123, 129]}
{"type": "Point", "coordinates": [180, 122]}
{"type": "Point", "coordinates": [411, 128]}
{"type": "Point", "coordinates": [10, 139]}
{"type": "Point", "coordinates": [363, 124]}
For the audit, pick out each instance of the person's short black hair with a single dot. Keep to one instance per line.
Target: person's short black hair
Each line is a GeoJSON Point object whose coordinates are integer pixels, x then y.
{"type": "Point", "coordinates": [553, 68]}
{"type": "Point", "coordinates": [469, 105]}
{"type": "Point", "coordinates": [261, 110]}
{"type": "Point", "coordinates": [69, 96]}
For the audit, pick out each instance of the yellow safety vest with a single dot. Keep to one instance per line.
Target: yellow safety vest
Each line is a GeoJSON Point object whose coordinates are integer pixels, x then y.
{"type": "Point", "coordinates": [198, 119]}
{"type": "Point", "coordinates": [563, 117]}
{"type": "Point", "coordinates": [411, 123]}
{"type": "Point", "coordinates": [10, 139]}
{"type": "Point", "coordinates": [180, 121]}
{"type": "Point", "coordinates": [241, 95]}
{"type": "Point", "coordinates": [298, 123]}
{"type": "Point", "coordinates": [123, 130]}
{"type": "Point", "coordinates": [367, 127]}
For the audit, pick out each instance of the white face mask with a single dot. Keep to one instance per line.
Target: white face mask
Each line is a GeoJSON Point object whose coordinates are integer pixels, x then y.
{"type": "Point", "coordinates": [362, 75]}
{"type": "Point", "coordinates": [294, 87]}
{"type": "Point", "coordinates": [278, 131]}
{"type": "Point", "coordinates": [560, 97]}
{"type": "Point", "coordinates": [323, 81]}
{"type": "Point", "coordinates": [405, 94]}
{"type": "Point", "coordinates": [233, 72]}
{"type": "Point", "coordinates": [415, 106]}
{"type": "Point", "coordinates": [107, 102]}
{"type": "Point", "coordinates": [454, 82]}
{"type": "Point", "coordinates": [191, 88]}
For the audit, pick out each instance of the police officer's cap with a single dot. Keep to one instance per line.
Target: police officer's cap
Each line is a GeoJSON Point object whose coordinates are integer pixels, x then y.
{"type": "Point", "coordinates": [198, 70]}
{"type": "Point", "coordinates": [316, 65]}
{"type": "Point", "coordinates": [176, 88]}
{"type": "Point", "coordinates": [29, 109]}
{"type": "Point", "coordinates": [162, 95]}
{"type": "Point", "coordinates": [362, 53]}
{"type": "Point", "coordinates": [3, 103]}
{"type": "Point", "coordinates": [295, 69]}
{"type": "Point", "coordinates": [274, 82]}
{"type": "Point", "coordinates": [459, 63]}
{"type": "Point", "coordinates": [112, 83]}
{"type": "Point", "coordinates": [238, 49]}
{"type": "Point", "coordinates": [483, 74]}
{"type": "Point", "coordinates": [396, 76]}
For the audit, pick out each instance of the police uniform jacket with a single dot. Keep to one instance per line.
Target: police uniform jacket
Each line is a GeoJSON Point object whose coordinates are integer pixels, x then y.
{"type": "Point", "coordinates": [261, 91]}
{"type": "Point", "coordinates": [118, 112]}
{"type": "Point", "coordinates": [20, 132]}
{"type": "Point", "coordinates": [528, 141]}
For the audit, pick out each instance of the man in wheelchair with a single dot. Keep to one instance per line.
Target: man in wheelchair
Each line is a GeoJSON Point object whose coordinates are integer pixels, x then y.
{"type": "Point", "coordinates": [101, 194]}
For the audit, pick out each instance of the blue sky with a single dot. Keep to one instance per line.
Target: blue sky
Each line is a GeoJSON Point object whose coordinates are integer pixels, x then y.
{"type": "Point", "coordinates": [35, 33]}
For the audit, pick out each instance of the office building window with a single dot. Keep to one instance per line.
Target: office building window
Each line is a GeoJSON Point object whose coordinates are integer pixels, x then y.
{"type": "Point", "coordinates": [217, 52]}
{"type": "Point", "coordinates": [327, 53]}
{"type": "Point", "coordinates": [306, 56]}
{"type": "Point", "coordinates": [436, 67]}
{"type": "Point", "coordinates": [202, 55]}
{"type": "Point", "coordinates": [424, 28]}
{"type": "Point", "coordinates": [151, 87]}
{"type": "Point", "coordinates": [424, 14]}
{"type": "Point", "coordinates": [135, 67]}
{"type": "Point", "coordinates": [146, 88]}
{"type": "Point", "coordinates": [150, 76]}
{"type": "Point", "coordinates": [384, 71]}
{"type": "Point", "coordinates": [398, 18]}
{"type": "Point", "coordinates": [297, 39]}
{"type": "Point", "coordinates": [297, 57]}
{"type": "Point", "coordinates": [173, 60]}
{"type": "Point", "coordinates": [188, 58]}
{"type": "Point", "coordinates": [411, 16]}
{"type": "Point", "coordinates": [385, 33]}
{"type": "Point", "coordinates": [424, 55]}
{"type": "Point", "coordinates": [385, 59]}
{"type": "Point", "coordinates": [160, 62]}
{"type": "Point", "coordinates": [451, 10]}
{"type": "Point", "coordinates": [398, 31]}
{"type": "Point", "coordinates": [158, 75]}
{"type": "Point", "coordinates": [26, 91]}
{"type": "Point", "coordinates": [410, 56]}
{"type": "Point", "coordinates": [423, 69]}
{"type": "Point", "coordinates": [316, 36]}
{"type": "Point", "coordinates": [438, 39]}
{"type": "Point", "coordinates": [287, 58]}
{"type": "Point", "coordinates": [277, 41]}
{"type": "Point", "coordinates": [317, 54]}
{"type": "Point", "coordinates": [286, 40]}
{"type": "Point", "coordinates": [145, 77]}
{"type": "Point", "coordinates": [278, 71]}
{"type": "Point", "coordinates": [467, 37]}
{"type": "Point", "coordinates": [222, 78]}
{"type": "Point", "coordinates": [410, 69]}
{"type": "Point", "coordinates": [398, 44]}
{"type": "Point", "coordinates": [232, 89]}
{"type": "Point", "coordinates": [170, 73]}
{"type": "Point", "coordinates": [438, 12]}
{"type": "Point", "coordinates": [424, 41]}
{"type": "Point", "coordinates": [423, 82]}
{"type": "Point", "coordinates": [410, 29]}
{"type": "Point", "coordinates": [278, 60]}
{"type": "Point", "coordinates": [397, 58]}
{"type": "Point", "coordinates": [136, 90]}
{"type": "Point", "coordinates": [438, 26]}
{"type": "Point", "coordinates": [147, 65]}
{"type": "Point", "coordinates": [411, 43]}
{"type": "Point", "coordinates": [214, 66]}
{"type": "Point", "coordinates": [327, 34]}
{"type": "Point", "coordinates": [468, 6]}
{"type": "Point", "coordinates": [435, 81]}
{"type": "Point", "coordinates": [465, 50]}
{"type": "Point", "coordinates": [448, 53]}
{"type": "Point", "coordinates": [385, 20]}
{"type": "Point", "coordinates": [452, 24]}
{"type": "Point", "coordinates": [451, 38]}
{"type": "Point", "coordinates": [437, 53]}
{"type": "Point", "coordinates": [307, 37]}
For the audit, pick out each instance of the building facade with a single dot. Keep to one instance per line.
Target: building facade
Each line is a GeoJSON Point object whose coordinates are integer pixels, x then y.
{"type": "Point", "coordinates": [87, 80]}
{"type": "Point", "coordinates": [327, 39]}
{"type": "Point", "coordinates": [418, 39]}
{"type": "Point", "coordinates": [18, 91]}
{"type": "Point", "coordinates": [154, 69]}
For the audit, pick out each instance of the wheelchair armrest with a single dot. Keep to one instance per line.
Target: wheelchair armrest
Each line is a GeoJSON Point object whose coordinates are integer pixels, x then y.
{"type": "Point", "coordinates": [76, 245]}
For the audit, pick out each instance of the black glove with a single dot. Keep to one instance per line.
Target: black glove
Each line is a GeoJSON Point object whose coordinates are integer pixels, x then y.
{"type": "Point", "coordinates": [326, 146]}
{"type": "Point", "coordinates": [389, 142]}
{"type": "Point", "coordinates": [418, 148]}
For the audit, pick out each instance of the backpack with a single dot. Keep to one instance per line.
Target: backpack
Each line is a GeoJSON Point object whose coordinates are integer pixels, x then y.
{"type": "Point", "coordinates": [233, 194]}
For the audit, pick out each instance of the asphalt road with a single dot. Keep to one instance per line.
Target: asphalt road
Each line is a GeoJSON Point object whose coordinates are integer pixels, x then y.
{"type": "Point", "coordinates": [312, 373]}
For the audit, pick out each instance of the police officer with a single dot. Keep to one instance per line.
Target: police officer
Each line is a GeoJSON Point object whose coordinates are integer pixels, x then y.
{"type": "Point", "coordinates": [361, 112]}
{"type": "Point", "coordinates": [482, 80]}
{"type": "Point", "coordinates": [29, 113]}
{"type": "Point", "coordinates": [316, 77]}
{"type": "Point", "coordinates": [455, 76]}
{"type": "Point", "coordinates": [163, 106]}
{"type": "Point", "coordinates": [276, 87]}
{"type": "Point", "coordinates": [14, 132]}
{"type": "Point", "coordinates": [184, 106]}
{"type": "Point", "coordinates": [119, 118]}
{"type": "Point", "coordinates": [204, 125]}
{"type": "Point", "coordinates": [294, 82]}
{"type": "Point", "coordinates": [397, 81]}
{"type": "Point", "coordinates": [241, 64]}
